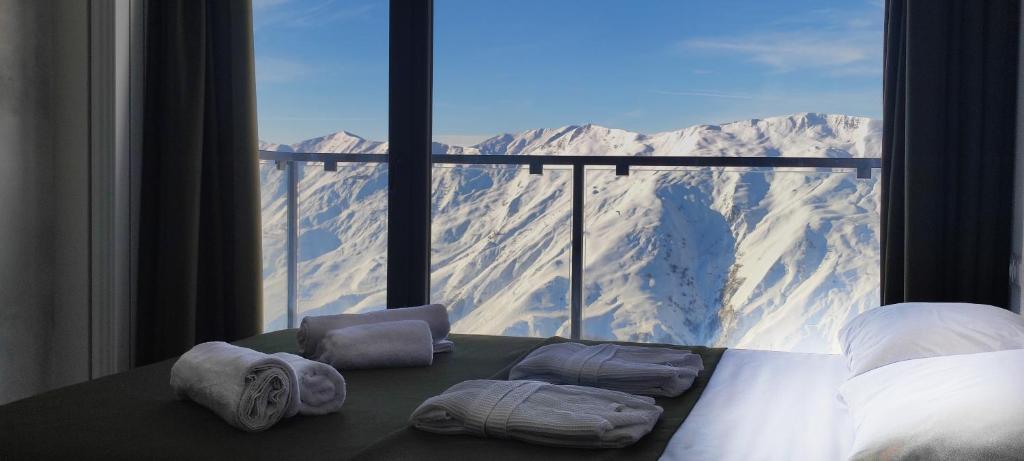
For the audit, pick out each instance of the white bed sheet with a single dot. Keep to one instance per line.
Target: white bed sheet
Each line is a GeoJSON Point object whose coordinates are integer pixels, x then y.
{"type": "Point", "coordinates": [765, 405]}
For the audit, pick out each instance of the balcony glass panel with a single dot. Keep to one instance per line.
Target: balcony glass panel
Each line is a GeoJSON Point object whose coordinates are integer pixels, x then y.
{"type": "Point", "coordinates": [322, 87]}
{"type": "Point", "coordinates": [274, 211]}
{"type": "Point", "coordinates": [501, 249]}
{"type": "Point", "coordinates": [752, 258]}
{"type": "Point", "coordinates": [343, 238]}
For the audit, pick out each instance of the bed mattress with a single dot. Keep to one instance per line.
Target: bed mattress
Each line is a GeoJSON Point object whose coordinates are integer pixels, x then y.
{"type": "Point", "coordinates": [134, 415]}
{"type": "Point", "coordinates": [768, 405]}
{"type": "Point", "coordinates": [414, 445]}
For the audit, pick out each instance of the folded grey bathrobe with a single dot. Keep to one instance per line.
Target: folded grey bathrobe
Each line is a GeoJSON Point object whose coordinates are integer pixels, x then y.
{"type": "Point", "coordinates": [402, 343]}
{"type": "Point", "coordinates": [655, 371]}
{"type": "Point", "coordinates": [541, 413]}
{"type": "Point", "coordinates": [321, 388]}
{"type": "Point", "coordinates": [313, 329]}
{"type": "Point", "coordinates": [250, 390]}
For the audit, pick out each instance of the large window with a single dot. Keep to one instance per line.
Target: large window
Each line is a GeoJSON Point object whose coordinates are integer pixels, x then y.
{"type": "Point", "coordinates": [322, 88]}
{"type": "Point", "coordinates": [772, 257]}
{"type": "Point", "coordinates": [686, 172]}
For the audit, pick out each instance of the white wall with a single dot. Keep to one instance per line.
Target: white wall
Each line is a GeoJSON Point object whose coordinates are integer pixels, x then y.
{"type": "Point", "coordinates": [44, 202]}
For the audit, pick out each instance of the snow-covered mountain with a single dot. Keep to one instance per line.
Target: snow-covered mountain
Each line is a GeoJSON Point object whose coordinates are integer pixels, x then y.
{"type": "Point", "coordinates": [733, 257]}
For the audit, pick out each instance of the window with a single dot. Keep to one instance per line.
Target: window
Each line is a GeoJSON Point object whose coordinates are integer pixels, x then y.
{"type": "Point", "coordinates": [322, 76]}
{"type": "Point", "coordinates": [761, 255]}
{"type": "Point", "coordinates": [687, 172]}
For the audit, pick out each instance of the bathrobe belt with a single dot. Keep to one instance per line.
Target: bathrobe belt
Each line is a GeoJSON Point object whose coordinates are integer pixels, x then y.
{"type": "Point", "coordinates": [490, 414]}
{"type": "Point", "coordinates": [586, 364]}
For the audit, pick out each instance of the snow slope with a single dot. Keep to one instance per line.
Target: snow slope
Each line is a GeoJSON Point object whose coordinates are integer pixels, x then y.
{"type": "Point", "coordinates": [732, 257]}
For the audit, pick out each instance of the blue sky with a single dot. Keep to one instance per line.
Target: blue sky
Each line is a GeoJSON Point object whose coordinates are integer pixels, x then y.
{"type": "Point", "coordinates": [511, 65]}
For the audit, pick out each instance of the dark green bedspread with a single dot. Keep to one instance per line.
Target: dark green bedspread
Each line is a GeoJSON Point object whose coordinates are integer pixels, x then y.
{"type": "Point", "coordinates": [413, 444]}
{"type": "Point", "coordinates": [134, 415]}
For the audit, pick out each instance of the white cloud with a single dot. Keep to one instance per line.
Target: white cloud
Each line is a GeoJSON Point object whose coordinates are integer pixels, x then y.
{"type": "Point", "coordinates": [791, 52]}
{"type": "Point", "coordinates": [705, 94]}
{"type": "Point", "coordinates": [839, 42]}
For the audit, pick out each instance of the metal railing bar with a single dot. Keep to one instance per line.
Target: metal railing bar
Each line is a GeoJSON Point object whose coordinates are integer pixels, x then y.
{"type": "Point", "coordinates": [293, 243]}
{"type": "Point", "coordinates": [592, 160]}
{"type": "Point", "coordinates": [289, 161]}
{"type": "Point", "coordinates": [616, 160]}
{"type": "Point", "coordinates": [576, 270]}
{"type": "Point", "coordinates": [322, 157]}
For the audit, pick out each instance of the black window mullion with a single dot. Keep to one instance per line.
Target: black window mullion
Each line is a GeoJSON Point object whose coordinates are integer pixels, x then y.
{"type": "Point", "coordinates": [409, 135]}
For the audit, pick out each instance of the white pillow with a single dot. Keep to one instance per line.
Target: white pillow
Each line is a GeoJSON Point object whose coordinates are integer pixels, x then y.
{"type": "Point", "coordinates": [952, 407]}
{"type": "Point", "coordinates": [907, 331]}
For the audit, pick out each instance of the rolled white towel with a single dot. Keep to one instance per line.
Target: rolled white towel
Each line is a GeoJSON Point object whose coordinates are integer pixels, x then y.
{"type": "Point", "coordinates": [250, 390]}
{"type": "Point", "coordinates": [541, 413]}
{"type": "Point", "coordinates": [321, 387]}
{"type": "Point", "coordinates": [402, 343]}
{"type": "Point", "coordinates": [313, 328]}
{"type": "Point", "coordinates": [659, 371]}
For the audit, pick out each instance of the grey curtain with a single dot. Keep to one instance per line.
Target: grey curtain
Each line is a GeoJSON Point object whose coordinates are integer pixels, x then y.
{"type": "Point", "coordinates": [199, 264]}
{"type": "Point", "coordinates": [950, 83]}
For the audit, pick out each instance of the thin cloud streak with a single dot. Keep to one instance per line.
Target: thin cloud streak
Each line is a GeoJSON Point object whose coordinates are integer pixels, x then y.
{"type": "Point", "coordinates": [840, 42]}
{"type": "Point", "coordinates": [278, 13]}
{"type": "Point", "coordinates": [791, 52]}
{"type": "Point", "coordinates": [705, 94]}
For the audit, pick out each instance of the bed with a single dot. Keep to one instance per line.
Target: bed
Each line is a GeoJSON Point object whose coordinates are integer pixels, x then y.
{"type": "Point", "coordinates": [768, 405]}
{"type": "Point", "coordinates": [135, 415]}
{"type": "Point", "coordinates": [921, 381]}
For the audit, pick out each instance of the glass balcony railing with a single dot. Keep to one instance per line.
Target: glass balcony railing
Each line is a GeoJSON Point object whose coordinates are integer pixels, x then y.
{"type": "Point", "coordinates": [274, 216]}
{"type": "Point", "coordinates": [501, 249]}
{"type": "Point", "coordinates": [342, 239]}
{"type": "Point", "coordinates": [767, 258]}
{"type": "Point", "coordinates": [324, 235]}
{"type": "Point", "coordinates": [753, 252]}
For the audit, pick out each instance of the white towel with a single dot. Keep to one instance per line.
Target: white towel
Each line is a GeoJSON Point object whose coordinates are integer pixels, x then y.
{"type": "Point", "coordinates": [313, 328]}
{"type": "Point", "coordinates": [541, 413]}
{"type": "Point", "coordinates": [659, 371]}
{"type": "Point", "coordinates": [321, 387]}
{"type": "Point", "coordinates": [402, 343]}
{"type": "Point", "coordinates": [250, 390]}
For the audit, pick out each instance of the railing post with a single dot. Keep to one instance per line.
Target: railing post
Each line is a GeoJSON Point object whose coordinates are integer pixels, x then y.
{"type": "Point", "coordinates": [293, 242]}
{"type": "Point", "coordinates": [576, 274]}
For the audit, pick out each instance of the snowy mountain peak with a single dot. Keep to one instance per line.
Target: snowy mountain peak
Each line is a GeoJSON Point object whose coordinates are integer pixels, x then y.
{"type": "Point", "coordinates": [806, 134]}
{"type": "Point", "coordinates": [341, 142]}
{"type": "Point", "coordinates": [347, 136]}
{"type": "Point", "coordinates": [588, 139]}
{"type": "Point", "coordinates": [797, 135]}
{"type": "Point", "coordinates": [274, 147]}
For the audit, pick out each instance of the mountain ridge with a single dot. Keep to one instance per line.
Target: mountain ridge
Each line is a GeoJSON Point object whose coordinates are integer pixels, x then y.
{"type": "Point", "coordinates": [593, 139]}
{"type": "Point", "coordinates": [755, 258]}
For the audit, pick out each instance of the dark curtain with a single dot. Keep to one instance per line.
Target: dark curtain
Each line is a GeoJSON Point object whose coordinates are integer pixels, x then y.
{"type": "Point", "coordinates": [199, 263]}
{"type": "Point", "coordinates": [948, 145]}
